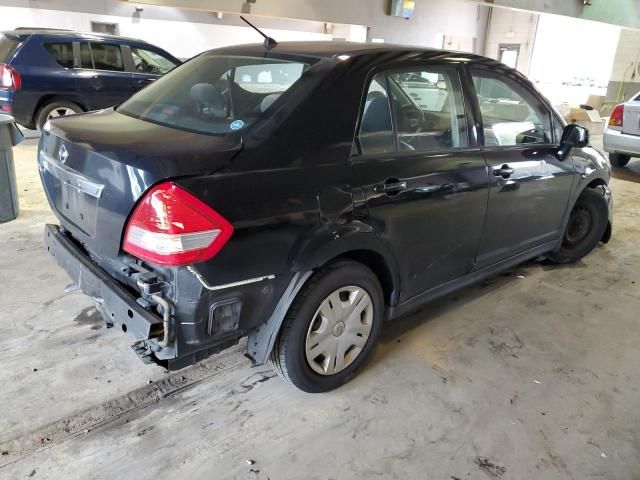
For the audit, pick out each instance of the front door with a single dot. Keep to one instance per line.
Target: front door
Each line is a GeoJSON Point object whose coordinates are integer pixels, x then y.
{"type": "Point", "coordinates": [147, 66]}
{"type": "Point", "coordinates": [529, 185]}
{"type": "Point", "coordinates": [424, 180]}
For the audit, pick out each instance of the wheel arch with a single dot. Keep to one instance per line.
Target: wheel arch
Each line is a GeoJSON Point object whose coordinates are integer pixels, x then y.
{"type": "Point", "coordinates": [355, 241]}
{"type": "Point", "coordinates": [379, 266]}
{"type": "Point", "coordinates": [597, 180]}
{"type": "Point", "coordinates": [595, 183]}
{"type": "Point", "coordinates": [45, 100]}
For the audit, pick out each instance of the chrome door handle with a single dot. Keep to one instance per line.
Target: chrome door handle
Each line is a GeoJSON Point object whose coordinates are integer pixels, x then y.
{"type": "Point", "coordinates": [391, 187]}
{"type": "Point", "coordinates": [505, 171]}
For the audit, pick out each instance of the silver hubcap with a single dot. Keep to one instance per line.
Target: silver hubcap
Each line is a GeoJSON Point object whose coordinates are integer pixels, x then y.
{"type": "Point", "coordinates": [61, 112]}
{"type": "Point", "coordinates": [339, 330]}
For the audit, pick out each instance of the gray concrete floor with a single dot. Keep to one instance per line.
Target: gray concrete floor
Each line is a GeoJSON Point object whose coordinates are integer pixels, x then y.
{"type": "Point", "coordinates": [532, 374]}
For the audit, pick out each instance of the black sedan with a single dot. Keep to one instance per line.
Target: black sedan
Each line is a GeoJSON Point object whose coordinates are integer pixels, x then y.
{"type": "Point", "coordinates": [304, 194]}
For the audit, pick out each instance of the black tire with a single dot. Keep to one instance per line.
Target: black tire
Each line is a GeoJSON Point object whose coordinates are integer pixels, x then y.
{"type": "Point", "coordinates": [619, 160]}
{"type": "Point", "coordinates": [289, 358]}
{"type": "Point", "coordinates": [585, 229]}
{"type": "Point", "coordinates": [61, 105]}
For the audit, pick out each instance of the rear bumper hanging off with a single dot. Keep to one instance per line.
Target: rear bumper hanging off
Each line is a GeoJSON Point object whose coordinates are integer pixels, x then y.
{"type": "Point", "coordinates": [117, 305]}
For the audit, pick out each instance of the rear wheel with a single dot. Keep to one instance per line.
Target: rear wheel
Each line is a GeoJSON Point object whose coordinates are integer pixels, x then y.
{"type": "Point", "coordinates": [586, 227]}
{"type": "Point", "coordinates": [619, 160]}
{"type": "Point", "coordinates": [331, 328]}
{"type": "Point", "coordinates": [55, 110]}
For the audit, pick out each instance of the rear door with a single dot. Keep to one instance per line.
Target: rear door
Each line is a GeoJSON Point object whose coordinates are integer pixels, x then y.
{"type": "Point", "coordinates": [424, 179]}
{"type": "Point", "coordinates": [631, 118]}
{"type": "Point", "coordinates": [101, 76]}
{"type": "Point", "coordinates": [529, 185]}
{"type": "Point", "coordinates": [57, 77]}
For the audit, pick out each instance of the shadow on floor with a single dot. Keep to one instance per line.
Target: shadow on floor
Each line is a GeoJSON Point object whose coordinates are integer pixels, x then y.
{"type": "Point", "coordinates": [630, 173]}
{"type": "Point", "coordinates": [396, 328]}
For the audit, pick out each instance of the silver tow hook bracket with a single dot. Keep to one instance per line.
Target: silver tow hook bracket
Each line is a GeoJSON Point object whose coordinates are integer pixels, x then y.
{"type": "Point", "coordinates": [152, 291]}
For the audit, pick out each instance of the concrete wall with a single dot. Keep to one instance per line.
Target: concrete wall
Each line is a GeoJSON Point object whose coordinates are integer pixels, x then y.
{"type": "Point", "coordinates": [150, 12]}
{"type": "Point", "coordinates": [625, 76]}
{"type": "Point", "coordinates": [191, 30]}
{"type": "Point", "coordinates": [433, 19]}
{"type": "Point", "coordinates": [482, 28]}
{"type": "Point", "coordinates": [618, 12]}
{"type": "Point", "coordinates": [182, 33]}
{"type": "Point", "coordinates": [624, 13]}
{"type": "Point", "coordinates": [515, 28]}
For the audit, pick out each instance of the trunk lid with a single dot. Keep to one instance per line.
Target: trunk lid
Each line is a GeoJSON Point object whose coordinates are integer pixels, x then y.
{"type": "Point", "coordinates": [631, 118]}
{"type": "Point", "coordinates": [95, 167]}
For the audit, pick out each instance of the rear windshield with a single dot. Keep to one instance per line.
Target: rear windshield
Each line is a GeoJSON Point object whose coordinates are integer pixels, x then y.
{"type": "Point", "coordinates": [7, 46]}
{"type": "Point", "coordinates": [214, 93]}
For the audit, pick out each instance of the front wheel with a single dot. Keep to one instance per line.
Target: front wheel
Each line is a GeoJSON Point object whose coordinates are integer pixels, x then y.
{"type": "Point", "coordinates": [331, 328]}
{"type": "Point", "coordinates": [586, 227]}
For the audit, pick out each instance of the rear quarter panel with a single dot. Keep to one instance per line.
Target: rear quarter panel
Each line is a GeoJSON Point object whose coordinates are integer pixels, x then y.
{"type": "Point", "coordinates": [41, 77]}
{"type": "Point", "coordinates": [291, 182]}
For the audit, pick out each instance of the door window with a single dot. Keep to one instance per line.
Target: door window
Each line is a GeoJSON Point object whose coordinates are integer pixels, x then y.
{"type": "Point", "coordinates": [62, 52]}
{"type": "Point", "coordinates": [511, 115]}
{"type": "Point", "coordinates": [428, 109]}
{"type": "Point", "coordinates": [268, 78]}
{"type": "Point", "coordinates": [85, 56]}
{"type": "Point", "coordinates": [147, 61]}
{"type": "Point", "coordinates": [376, 131]}
{"type": "Point", "coordinates": [107, 57]}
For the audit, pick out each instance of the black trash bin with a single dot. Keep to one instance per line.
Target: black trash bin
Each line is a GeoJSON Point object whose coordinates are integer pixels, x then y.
{"type": "Point", "coordinates": [10, 135]}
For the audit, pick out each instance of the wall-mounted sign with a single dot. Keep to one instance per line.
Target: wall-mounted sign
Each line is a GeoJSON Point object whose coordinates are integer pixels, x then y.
{"type": "Point", "coordinates": [402, 8]}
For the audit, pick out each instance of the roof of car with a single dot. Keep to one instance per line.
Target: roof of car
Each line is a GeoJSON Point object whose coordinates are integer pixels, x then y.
{"type": "Point", "coordinates": [27, 31]}
{"type": "Point", "coordinates": [329, 49]}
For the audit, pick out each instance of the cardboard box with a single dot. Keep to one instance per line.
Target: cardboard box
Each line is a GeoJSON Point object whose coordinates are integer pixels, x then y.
{"type": "Point", "coordinates": [577, 114]}
{"type": "Point", "coordinates": [596, 101]}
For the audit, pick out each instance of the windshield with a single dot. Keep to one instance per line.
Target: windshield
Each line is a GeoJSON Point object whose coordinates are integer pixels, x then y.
{"type": "Point", "coordinates": [214, 93]}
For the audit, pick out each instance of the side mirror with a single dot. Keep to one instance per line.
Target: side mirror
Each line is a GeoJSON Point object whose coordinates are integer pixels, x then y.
{"type": "Point", "coordinates": [573, 136]}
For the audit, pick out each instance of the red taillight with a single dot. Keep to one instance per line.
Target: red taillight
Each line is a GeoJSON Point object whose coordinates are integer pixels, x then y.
{"type": "Point", "coordinates": [616, 116]}
{"type": "Point", "coordinates": [171, 227]}
{"type": "Point", "coordinates": [9, 78]}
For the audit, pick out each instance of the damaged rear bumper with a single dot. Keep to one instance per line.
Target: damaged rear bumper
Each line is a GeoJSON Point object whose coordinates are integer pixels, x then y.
{"type": "Point", "coordinates": [116, 303]}
{"type": "Point", "coordinates": [203, 319]}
